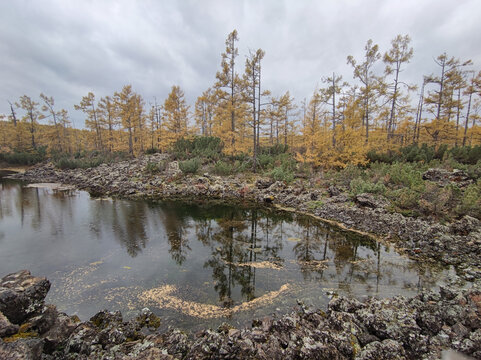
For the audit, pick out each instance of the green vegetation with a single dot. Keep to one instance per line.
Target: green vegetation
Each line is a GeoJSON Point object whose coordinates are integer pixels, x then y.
{"type": "Point", "coordinates": [85, 159]}
{"type": "Point", "coordinates": [25, 157]}
{"type": "Point", "coordinates": [206, 147]}
{"type": "Point", "coordinates": [190, 166]}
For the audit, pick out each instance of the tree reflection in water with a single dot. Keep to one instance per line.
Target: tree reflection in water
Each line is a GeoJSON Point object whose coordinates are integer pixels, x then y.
{"type": "Point", "coordinates": [245, 252]}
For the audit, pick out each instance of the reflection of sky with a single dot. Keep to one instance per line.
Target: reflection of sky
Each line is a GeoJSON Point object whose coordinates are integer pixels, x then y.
{"type": "Point", "coordinates": [103, 253]}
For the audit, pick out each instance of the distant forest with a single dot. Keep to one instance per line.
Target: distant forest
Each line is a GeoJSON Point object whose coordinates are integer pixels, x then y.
{"type": "Point", "coordinates": [339, 125]}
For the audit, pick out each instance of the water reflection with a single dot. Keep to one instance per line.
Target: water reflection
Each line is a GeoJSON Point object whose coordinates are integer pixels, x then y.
{"type": "Point", "coordinates": [103, 253]}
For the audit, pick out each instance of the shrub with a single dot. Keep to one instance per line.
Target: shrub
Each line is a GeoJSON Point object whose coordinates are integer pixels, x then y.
{"type": "Point", "coordinates": [405, 198]}
{"type": "Point", "coordinates": [223, 168]}
{"type": "Point", "coordinates": [466, 154]}
{"type": "Point", "coordinates": [265, 161]}
{"type": "Point", "coordinates": [189, 166]}
{"type": "Point", "coordinates": [359, 186]}
{"type": "Point", "coordinates": [152, 150]}
{"type": "Point", "coordinates": [471, 201]}
{"type": "Point", "coordinates": [25, 157]}
{"type": "Point", "coordinates": [277, 149]}
{"type": "Point", "coordinates": [281, 174]}
{"type": "Point", "coordinates": [405, 174]}
{"type": "Point", "coordinates": [154, 168]}
{"type": "Point", "coordinates": [208, 147]}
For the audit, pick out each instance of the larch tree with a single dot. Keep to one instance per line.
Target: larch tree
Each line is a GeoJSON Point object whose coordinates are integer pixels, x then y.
{"type": "Point", "coordinates": [204, 112]}
{"type": "Point", "coordinates": [125, 103]}
{"type": "Point", "coordinates": [107, 112]}
{"type": "Point", "coordinates": [175, 115]}
{"type": "Point", "coordinates": [88, 106]}
{"type": "Point", "coordinates": [332, 91]}
{"type": "Point", "coordinates": [17, 142]}
{"type": "Point", "coordinates": [228, 92]}
{"type": "Point", "coordinates": [440, 101]}
{"type": "Point", "coordinates": [286, 107]}
{"type": "Point", "coordinates": [48, 108]}
{"type": "Point", "coordinates": [252, 94]}
{"type": "Point", "coordinates": [31, 117]}
{"type": "Point", "coordinates": [139, 122]}
{"type": "Point", "coordinates": [400, 53]}
{"type": "Point", "coordinates": [371, 84]}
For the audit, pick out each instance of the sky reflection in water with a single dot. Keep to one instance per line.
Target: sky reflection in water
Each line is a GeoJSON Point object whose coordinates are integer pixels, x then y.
{"type": "Point", "coordinates": [195, 265]}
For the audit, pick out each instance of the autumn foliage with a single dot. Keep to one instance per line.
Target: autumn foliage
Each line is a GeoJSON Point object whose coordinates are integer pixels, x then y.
{"type": "Point", "coordinates": [340, 124]}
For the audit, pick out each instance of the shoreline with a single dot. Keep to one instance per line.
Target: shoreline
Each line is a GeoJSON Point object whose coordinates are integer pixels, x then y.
{"type": "Point", "coordinates": [390, 328]}
{"type": "Point", "coordinates": [457, 244]}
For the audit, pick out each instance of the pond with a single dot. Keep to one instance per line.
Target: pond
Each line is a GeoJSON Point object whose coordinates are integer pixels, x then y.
{"type": "Point", "coordinates": [194, 264]}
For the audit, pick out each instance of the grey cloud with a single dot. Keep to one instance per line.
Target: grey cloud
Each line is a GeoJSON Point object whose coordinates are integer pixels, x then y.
{"type": "Point", "coordinates": [66, 48]}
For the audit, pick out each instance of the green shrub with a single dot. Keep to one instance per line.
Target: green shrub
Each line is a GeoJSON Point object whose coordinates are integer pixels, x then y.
{"type": "Point", "coordinates": [274, 150]}
{"type": "Point", "coordinates": [25, 157]}
{"type": "Point", "coordinates": [242, 166]}
{"type": "Point", "coordinates": [405, 174]}
{"type": "Point", "coordinates": [466, 154]}
{"type": "Point", "coordinates": [405, 198]}
{"type": "Point", "coordinates": [152, 150]}
{"type": "Point", "coordinates": [470, 203]}
{"type": "Point", "coordinates": [359, 186]}
{"type": "Point", "coordinates": [208, 147]}
{"type": "Point", "coordinates": [265, 161]}
{"type": "Point", "coordinates": [155, 167]}
{"type": "Point", "coordinates": [189, 166]}
{"type": "Point", "coordinates": [281, 174]}
{"type": "Point", "coordinates": [223, 168]}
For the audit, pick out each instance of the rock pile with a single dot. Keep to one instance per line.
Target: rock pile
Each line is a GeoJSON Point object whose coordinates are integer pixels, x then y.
{"type": "Point", "coordinates": [399, 328]}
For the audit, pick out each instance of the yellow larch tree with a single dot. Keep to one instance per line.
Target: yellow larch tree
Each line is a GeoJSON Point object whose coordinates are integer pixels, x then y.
{"type": "Point", "coordinates": [175, 116]}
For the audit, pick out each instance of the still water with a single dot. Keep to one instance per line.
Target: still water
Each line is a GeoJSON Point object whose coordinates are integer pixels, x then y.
{"type": "Point", "coordinates": [195, 265]}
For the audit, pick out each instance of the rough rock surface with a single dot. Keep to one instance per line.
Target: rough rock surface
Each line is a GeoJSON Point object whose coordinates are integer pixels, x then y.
{"type": "Point", "coordinates": [400, 328]}
{"type": "Point", "coordinates": [22, 295]}
{"type": "Point", "coordinates": [444, 177]}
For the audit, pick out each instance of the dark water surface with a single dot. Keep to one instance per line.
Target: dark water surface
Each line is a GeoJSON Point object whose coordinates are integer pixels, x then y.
{"type": "Point", "coordinates": [194, 265]}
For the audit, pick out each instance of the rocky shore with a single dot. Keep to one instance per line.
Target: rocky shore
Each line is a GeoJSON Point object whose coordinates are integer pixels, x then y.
{"type": "Point", "coordinates": [399, 328]}
{"type": "Point", "coordinates": [457, 243]}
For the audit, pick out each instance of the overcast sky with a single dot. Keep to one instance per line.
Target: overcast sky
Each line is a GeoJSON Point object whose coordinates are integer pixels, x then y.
{"type": "Point", "coordinates": [67, 48]}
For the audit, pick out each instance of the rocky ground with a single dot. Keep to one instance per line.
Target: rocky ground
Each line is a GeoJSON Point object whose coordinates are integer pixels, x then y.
{"type": "Point", "coordinates": [400, 328]}
{"type": "Point", "coordinates": [457, 243]}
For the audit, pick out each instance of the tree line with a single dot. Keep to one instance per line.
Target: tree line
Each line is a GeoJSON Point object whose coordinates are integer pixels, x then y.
{"type": "Point", "coordinates": [339, 124]}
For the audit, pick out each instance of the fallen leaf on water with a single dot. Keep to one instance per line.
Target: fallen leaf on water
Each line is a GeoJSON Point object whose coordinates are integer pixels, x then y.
{"type": "Point", "coordinates": [293, 239]}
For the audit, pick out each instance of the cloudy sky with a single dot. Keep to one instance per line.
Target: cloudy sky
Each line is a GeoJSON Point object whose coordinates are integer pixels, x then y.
{"type": "Point", "coordinates": [66, 48]}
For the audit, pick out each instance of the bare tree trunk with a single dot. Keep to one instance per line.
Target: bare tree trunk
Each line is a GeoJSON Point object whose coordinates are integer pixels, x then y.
{"type": "Point", "coordinates": [467, 119]}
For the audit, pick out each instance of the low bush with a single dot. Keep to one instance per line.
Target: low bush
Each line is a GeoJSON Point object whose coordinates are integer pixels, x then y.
{"type": "Point", "coordinates": [281, 174]}
{"type": "Point", "coordinates": [208, 147]}
{"type": "Point", "coordinates": [25, 157]}
{"type": "Point", "coordinates": [223, 168]}
{"type": "Point", "coordinates": [359, 186]}
{"type": "Point", "coordinates": [152, 150]}
{"type": "Point", "coordinates": [273, 150]}
{"type": "Point", "coordinates": [155, 167]}
{"type": "Point", "coordinates": [470, 203]}
{"type": "Point", "coordinates": [189, 166]}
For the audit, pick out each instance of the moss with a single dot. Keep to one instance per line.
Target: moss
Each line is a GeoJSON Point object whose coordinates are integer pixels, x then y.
{"type": "Point", "coordinates": [154, 321]}
{"type": "Point", "coordinates": [315, 204]}
{"type": "Point", "coordinates": [24, 327]}
{"type": "Point", "coordinates": [75, 319]}
{"type": "Point", "coordinates": [21, 335]}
